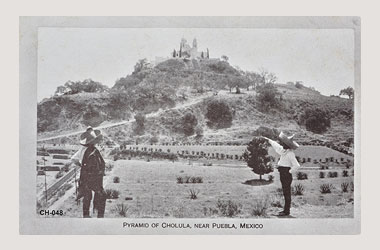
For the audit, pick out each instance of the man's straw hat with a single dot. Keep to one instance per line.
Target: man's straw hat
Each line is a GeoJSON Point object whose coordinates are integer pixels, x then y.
{"type": "Point", "coordinates": [90, 137]}
{"type": "Point", "coordinates": [288, 140]}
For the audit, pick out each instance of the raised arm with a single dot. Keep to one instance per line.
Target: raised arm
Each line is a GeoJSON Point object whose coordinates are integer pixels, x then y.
{"type": "Point", "coordinates": [276, 146]}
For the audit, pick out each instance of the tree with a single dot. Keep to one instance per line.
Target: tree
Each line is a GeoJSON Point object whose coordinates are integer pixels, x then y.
{"type": "Point", "coordinates": [267, 77]}
{"type": "Point", "coordinates": [140, 123]}
{"type": "Point", "coordinates": [88, 85]}
{"type": "Point", "coordinates": [189, 121]}
{"type": "Point", "coordinates": [224, 58]}
{"type": "Point", "coordinates": [349, 91]}
{"type": "Point", "coordinates": [254, 79]}
{"type": "Point", "coordinates": [199, 131]}
{"type": "Point", "coordinates": [218, 114]}
{"type": "Point", "coordinates": [268, 97]}
{"type": "Point", "coordinates": [140, 65]}
{"type": "Point", "coordinates": [257, 158]}
{"type": "Point", "coordinates": [315, 120]}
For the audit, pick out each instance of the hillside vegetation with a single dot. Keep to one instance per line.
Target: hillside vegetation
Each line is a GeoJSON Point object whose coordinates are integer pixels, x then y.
{"type": "Point", "coordinates": [212, 83]}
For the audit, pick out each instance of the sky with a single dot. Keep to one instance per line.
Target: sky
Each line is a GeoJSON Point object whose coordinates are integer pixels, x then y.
{"type": "Point", "coordinates": [321, 58]}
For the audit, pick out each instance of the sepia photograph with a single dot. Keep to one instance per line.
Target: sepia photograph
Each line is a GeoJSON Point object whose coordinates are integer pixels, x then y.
{"type": "Point", "coordinates": [233, 127]}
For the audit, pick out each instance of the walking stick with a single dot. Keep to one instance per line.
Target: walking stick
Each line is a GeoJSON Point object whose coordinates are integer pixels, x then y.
{"type": "Point", "coordinates": [75, 180]}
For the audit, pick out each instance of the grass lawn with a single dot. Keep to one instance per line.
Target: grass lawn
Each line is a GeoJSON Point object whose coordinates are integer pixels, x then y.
{"type": "Point", "coordinates": [150, 190]}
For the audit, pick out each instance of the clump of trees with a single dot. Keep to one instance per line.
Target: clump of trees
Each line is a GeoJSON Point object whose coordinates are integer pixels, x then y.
{"type": "Point", "coordinates": [219, 114]}
{"type": "Point", "coordinates": [257, 157]}
{"type": "Point", "coordinates": [349, 91]}
{"type": "Point", "coordinates": [316, 120]}
{"type": "Point", "coordinates": [268, 97]}
{"type": "Point", "coordinates": [88, 85]}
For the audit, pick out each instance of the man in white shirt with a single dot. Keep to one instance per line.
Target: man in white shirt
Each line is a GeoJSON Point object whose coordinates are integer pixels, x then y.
{"type": "Point", "coordinates": [286, 165]}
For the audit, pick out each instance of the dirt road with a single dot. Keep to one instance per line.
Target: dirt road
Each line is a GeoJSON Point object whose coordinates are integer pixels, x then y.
{"type": "Point", "coordinates": [154, 114]}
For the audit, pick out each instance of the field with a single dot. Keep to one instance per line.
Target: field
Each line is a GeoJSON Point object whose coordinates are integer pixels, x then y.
{"type": "Point", "coordinates": [150, 190]}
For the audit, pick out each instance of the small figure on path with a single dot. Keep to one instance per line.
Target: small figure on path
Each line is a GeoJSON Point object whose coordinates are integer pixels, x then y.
{"type": "Point", "coordinates": [286, 165]}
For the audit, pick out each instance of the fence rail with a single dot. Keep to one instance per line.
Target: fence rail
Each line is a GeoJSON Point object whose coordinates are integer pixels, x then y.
{"type": "Point", "coordinates": [52, 189]}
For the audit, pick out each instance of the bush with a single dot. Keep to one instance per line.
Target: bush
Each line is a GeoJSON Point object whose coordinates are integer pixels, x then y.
{"type": "Point", "coordinates": [199, 179]}
{"type": "Point", "coordinates": [323, 166]}
{"type": "Point", "coordinates": [112, 193]}
{"type": "Point", "coordinates": [228, 208]}
{"type": "Point", "coordinates": [345, 173]}
{"type": "Point", "coordinates": [315, 120]}
{"type": "Point", "coordinates": [270, 177]}
{"type": "Point", "coordinates": [268, 97]}
{"type": "Point", "coordinates": [321, 175]}
{"type": "Point", "coordinates": [193, 180]}
{"type": "Point", "coordinates": [187, 179]}
{"type": "Point", "coordinates": [179, 180]}
{"type": "Point", "coordinates": [326, 188]}
{"type": "Point", "coordinates": [189, 122]}
{"type": "Point", "coordinates": [122, 209]}
{"type": "Point", "coordinates": [140, 123]}
{"type": "Point", "coordinates": [109, 165]}
{"type": "Point", "coordinates": [218, 114]}
{"type": "Point", "coordinates": [333, 174]}
{"type": "Point", "coordinates": [344, 187]}
{"type": "Point", "coordinates": [260, 207]}
{"type": "Point", "coordinates": [301, 176]}
{"type": "Point", "coordinates": [59, 174]}
{"type": "Point", "coordinates": [199, 130]}
{"type": "Point", "coordinates": [298, 189]}
{"type": "Point", "coordinates": [299, 85]}
{"type": "Point", "coordinates": [116, 179]}
{"type": "Point", "coordinates": [193, 194]}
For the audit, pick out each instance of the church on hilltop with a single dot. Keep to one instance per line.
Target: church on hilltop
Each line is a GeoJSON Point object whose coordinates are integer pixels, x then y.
{"type": "Point", "coordinates": [185, 51]}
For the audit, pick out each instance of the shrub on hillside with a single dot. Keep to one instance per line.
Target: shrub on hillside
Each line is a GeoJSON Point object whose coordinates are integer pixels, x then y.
{"type": "Point", "coordinates": [268, 97]}
{"type": "Point", "coordinates": [299, 85]}
{"type": "Point", "coordinates": [87, 85]}
{"type": "Point", "coordinates": [189, 122]}
{"type": "Point", "coordinates": [219, 114]}
{"type": "Point", "coordinates": [199, 131]}
{"type": "Point", "coordinates": [315, 120]}
{"type": "Point", "coordinates": [140, 123]}
{"type": "Point", "coordinates": [321, 175]}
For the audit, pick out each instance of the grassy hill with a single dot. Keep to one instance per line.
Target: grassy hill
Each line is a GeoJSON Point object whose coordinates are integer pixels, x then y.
{"type": "Point", "coordinates": [162, 90]}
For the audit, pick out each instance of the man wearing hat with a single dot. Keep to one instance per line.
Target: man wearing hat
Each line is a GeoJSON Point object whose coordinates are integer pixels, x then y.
{"type": "Point", "coordinates": [286, 165]}
{"type": "Point", "coordinates": [92, 172]}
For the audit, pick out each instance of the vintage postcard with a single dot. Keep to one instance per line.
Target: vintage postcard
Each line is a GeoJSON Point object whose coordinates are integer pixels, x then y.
{"type": "Point", "coordinates": [189, 125]}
